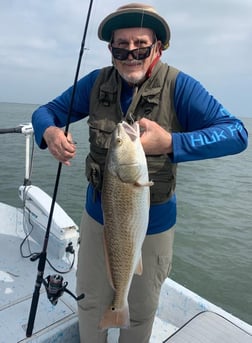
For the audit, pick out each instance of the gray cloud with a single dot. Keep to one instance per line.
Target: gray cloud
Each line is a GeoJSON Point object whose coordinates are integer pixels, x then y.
{"type": "Point", "coordinates": [40, 41]}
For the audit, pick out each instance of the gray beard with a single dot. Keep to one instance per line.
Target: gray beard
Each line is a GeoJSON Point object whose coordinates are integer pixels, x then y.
{"type": "Point", "coordinates": [133, 80]}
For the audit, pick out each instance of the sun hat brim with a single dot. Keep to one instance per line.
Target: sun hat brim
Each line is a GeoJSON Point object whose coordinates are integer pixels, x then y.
{"type": "Point", "coordinates": [135, 17]}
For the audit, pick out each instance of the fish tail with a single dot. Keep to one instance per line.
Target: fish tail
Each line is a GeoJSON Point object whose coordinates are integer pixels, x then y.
{"type": "Point", "coordinates": [115, 318]}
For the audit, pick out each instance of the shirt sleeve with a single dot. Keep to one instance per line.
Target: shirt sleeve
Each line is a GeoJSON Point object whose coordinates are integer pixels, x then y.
{"type": "Point", "coordinates": [56, 112]}
{"type": "Point", "coordinates": [209, 130]}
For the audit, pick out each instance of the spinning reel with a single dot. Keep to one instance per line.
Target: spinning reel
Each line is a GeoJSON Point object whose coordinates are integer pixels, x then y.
{"type": "Point", "coordinates": [55, 287]}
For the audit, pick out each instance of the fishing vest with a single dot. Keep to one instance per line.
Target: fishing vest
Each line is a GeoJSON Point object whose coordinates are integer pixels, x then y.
{"type": "Point", "coordinates": [153, 100]}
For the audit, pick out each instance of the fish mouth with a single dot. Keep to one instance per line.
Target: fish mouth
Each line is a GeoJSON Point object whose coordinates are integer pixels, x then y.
{"type": "Point", "coordinates": [131, 130]}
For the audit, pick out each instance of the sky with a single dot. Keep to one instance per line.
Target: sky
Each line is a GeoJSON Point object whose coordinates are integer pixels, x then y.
{"type": "Point", "coordinates": [40, 40]}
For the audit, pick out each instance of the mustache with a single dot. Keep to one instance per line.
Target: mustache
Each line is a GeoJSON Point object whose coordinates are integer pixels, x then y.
{"type": "Point", "coordinates": [133, 62]}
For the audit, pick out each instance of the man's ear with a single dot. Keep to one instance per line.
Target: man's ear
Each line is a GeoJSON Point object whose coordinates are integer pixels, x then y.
{"type": "Point", "coordinates": [159, 47]}
{"type": "Point", "coordinates": [112, 58]}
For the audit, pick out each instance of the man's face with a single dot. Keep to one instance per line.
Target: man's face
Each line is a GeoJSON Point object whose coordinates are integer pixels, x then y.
{"type": "Point", "coordinates": [131, 69]}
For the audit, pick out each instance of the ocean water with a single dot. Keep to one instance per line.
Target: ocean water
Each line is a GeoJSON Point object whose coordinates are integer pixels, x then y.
{"type": "Point", "coordinates": [213, 241]}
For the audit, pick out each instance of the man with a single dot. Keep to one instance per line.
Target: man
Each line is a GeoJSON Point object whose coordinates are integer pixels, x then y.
{"type": "Point", "coordinates": [180, 122]}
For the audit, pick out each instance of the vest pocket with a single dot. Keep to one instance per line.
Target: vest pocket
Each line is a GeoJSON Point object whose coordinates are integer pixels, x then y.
{"type": "Point", "coordinates": [100, 132]}
{"type": "Point", "coordinates": [163, 173]}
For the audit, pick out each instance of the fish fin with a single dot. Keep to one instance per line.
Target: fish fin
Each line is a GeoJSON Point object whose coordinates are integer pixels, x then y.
{"type": "Point", "coordinates": [115, 318]}
{"type": "Point", "coordinates": [146, 184]}
{"type": "Point", "coordinates": [139, 267]}
{"type": "Point", "coordinates": [106, 255]}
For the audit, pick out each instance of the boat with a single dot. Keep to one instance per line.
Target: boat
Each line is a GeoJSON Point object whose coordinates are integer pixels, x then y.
{"type": "Point", "coordinates": [182, 315]}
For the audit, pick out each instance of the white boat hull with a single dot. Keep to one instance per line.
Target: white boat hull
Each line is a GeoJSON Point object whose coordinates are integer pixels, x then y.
{"type": "Point", "coordinates": [60, 323]}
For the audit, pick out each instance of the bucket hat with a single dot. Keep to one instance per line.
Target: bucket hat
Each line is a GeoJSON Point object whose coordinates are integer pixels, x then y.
{"type": "Point", "coordinates": [135, 15]}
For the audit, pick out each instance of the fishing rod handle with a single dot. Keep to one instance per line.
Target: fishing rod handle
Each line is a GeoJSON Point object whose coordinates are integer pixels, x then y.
{"type": "Point", "coordinates": [36, 293]}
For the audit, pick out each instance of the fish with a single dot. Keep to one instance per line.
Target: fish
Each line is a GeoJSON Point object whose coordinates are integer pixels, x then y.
{"type": "Point", "coordinates": [125, 202]}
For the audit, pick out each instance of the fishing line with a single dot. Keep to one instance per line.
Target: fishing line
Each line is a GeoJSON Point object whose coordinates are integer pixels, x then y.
{"type": "Point", "coordinates": [43, 255]}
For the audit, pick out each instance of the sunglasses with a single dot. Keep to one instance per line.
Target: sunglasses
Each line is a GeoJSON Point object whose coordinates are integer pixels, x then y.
{"type": "Point", "coordinates": [137, 54]}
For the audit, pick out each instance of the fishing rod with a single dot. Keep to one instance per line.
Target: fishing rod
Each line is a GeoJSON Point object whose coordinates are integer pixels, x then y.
{"type": "Point", "coordinates": [53, 286]}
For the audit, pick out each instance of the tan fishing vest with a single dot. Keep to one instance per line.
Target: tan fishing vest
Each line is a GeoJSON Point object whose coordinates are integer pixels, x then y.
{"type": "Point", "coordinates": [154, 100]}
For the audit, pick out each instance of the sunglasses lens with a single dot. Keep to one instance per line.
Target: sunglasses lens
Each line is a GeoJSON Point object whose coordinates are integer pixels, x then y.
{"type": "Point", "coordinates": [119, 54]}
{"type": "Point", "coordinates": [141, 53]}
{"type": "Point", "coordinates": [137, 54]}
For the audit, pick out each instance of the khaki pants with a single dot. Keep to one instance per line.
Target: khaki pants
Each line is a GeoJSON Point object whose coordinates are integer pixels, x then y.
{"type": "Point", "coordinates": [144, 292]}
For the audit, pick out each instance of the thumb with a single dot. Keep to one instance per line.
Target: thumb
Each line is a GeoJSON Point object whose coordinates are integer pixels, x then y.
{"type": "Point", "coordinates": [144, 124]}
{"type": "Point", "coordinates": [69, 137]}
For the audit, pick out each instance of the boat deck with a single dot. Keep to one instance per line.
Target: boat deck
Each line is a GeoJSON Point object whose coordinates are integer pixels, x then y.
{"type": "Point", "coordinates": [161, 330]}
{"type": "Point", "coordinates": [17, 281]}
{"type": "Point", "coordinates": [209, 327]}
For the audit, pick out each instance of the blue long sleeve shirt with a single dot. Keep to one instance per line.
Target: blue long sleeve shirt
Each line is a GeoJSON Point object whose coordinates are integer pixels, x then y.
{"type": "Point", "coordinates": [209, 131]}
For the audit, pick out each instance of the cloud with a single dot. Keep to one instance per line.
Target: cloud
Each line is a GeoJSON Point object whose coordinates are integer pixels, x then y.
{"type": "Point", "coordinates": [40, 42]}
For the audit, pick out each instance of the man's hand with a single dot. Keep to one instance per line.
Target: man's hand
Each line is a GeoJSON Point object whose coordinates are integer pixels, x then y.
{"type": "Point", "coordinates": [154, 138]}
{"type": "Point", "coordinates": [60, 146]}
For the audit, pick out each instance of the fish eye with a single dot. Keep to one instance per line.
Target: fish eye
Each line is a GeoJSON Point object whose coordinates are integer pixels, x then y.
{"type": "Point", "coordinates": [119, 140]}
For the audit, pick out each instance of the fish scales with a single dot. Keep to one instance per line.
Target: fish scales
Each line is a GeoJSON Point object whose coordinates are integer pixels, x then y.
{"type": "Point", "coordinates": [125, 201]}
{"type": "Point", "coordinates": [123, 237]}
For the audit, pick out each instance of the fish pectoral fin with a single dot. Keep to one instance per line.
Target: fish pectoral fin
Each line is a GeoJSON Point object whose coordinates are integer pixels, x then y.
{"type": "Point", "coordinates": [128, 173]}
{"type": "Point", "coordinates": [106, 256]}
{"type": "Point", "coordinates": [146, 184]}
{"type": "Point", "coordinates": [139, 267]}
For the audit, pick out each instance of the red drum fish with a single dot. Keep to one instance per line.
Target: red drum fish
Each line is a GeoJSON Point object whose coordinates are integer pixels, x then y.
{"type": "Point", "coordinates": [125, 202]}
